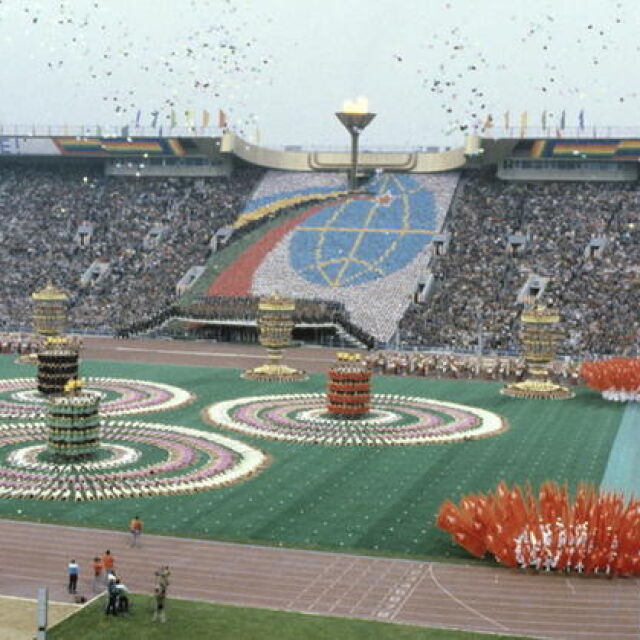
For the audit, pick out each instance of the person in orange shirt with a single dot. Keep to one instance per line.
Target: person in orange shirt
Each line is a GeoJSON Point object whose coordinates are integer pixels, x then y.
{"type": "Point", "coordinates": [108, 563]}
{"type": "Point", "coordinates": [135, 528]}
{"type": "Point", "coordinates": [97, 573]}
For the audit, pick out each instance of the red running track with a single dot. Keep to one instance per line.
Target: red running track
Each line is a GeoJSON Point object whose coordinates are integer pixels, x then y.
{"type": "Point", "coordinates": [391, 590]}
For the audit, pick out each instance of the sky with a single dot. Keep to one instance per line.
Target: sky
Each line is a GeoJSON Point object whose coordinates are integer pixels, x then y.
{"type": "Point", "coordinates": [432, 70]}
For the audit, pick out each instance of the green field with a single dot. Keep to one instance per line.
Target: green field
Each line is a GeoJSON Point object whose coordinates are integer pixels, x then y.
{"type": "Point", "coordinates": [187, 620]}
{"type": "Point", "coordinates": [362, 499]}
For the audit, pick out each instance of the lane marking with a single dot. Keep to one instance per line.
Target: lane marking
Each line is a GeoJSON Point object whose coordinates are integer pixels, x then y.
{"type": "Point", "coordinates": [462, 603]}
{"type": "Point", "coordinates": [34, 600]}
{"type": "Point", "coordinates": [217, 354]}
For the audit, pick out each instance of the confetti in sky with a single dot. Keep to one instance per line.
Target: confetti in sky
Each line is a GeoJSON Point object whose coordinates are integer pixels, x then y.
{"type": "Point", "coordinates": [432, 70]}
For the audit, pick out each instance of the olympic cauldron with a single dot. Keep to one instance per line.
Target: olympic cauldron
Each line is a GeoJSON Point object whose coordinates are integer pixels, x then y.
{"type": "Point", "coordinates": [50, 310]}
{"type": "Point", "coordinates": [275, 323]}
{"type": "Point", "coordinates": [57, 357]}
{"type": "Point", "coordinates": [539, 335]}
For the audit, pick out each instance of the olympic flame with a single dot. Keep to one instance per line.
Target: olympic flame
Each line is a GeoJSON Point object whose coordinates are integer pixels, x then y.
{"type": "Point", "coordinates": [358, 105]}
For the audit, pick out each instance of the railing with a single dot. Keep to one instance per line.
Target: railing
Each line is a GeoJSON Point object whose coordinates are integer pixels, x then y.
{"type": "Point", "coordinates": [91, 131]}
{"type": "Point", "coordinates": [371, 148]}
{"type": "Point", "coordinates": [181, 131]}
{"type": "Point", "coordinates": [587, 132]}
{"type": "Point", "coordinates": [119, 131]}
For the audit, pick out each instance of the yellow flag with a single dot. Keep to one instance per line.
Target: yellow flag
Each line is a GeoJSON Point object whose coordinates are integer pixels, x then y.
{"type": "Point", "coordinates": [524, 117]}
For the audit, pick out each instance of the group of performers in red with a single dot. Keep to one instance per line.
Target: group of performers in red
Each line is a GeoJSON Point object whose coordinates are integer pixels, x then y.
{"type": "Point", "coordinates": [596, 532]}
{"type": "Point", "coordinates": [616, 379]}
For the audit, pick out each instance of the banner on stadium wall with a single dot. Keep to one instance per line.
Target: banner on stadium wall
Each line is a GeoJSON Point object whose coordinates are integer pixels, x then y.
{"type": "Point", "coordinates": [119, 146]}
{"type": "Point", "coordinates": [596, 148]}
{"type": "Point", "coordinates": [96, 147]}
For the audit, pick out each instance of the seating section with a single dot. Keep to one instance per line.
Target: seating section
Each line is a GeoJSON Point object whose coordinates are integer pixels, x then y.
{"type": "Point", "coordinates": [42, 207]}
{"type": "Point", "coordinates": [478, 280]}
{"type": "Point", "coordinates": [365, 251]}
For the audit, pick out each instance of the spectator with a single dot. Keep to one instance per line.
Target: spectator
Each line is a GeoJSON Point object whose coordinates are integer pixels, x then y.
{"type": "Point", "coordinates": [135, 528]}
{"type": "Point", "coordinates": [73, 570]}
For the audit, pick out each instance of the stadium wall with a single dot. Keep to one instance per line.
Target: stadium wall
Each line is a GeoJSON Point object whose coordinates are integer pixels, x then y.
{"type": "Point", "coordinates": [411, 162]}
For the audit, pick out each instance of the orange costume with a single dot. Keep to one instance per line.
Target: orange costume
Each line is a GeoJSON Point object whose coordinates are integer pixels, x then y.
{"type": "Point", "coordinates": [135, 528]}
{"type": "Point", "coordinates": [595, 532]}
{"type": "Point", "coordinates": [136, 525]}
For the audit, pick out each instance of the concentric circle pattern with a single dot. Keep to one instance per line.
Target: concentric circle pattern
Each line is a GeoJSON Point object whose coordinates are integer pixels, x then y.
{"type": "Point", "coordinates": [19, 397]}
{"type": "Point", "coordinates": [393, 420]}
{"type": "Point", "coordinates": [138, 459]}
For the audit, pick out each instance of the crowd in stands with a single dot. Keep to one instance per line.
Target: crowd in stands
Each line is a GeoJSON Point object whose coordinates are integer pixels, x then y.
{"type": "Point", "coordinates": [277, 184]}
{"type": "Point", "coordinates": [41, 209]}
{"type": "Point", "coordinates": [478, 279]}
{"type": "Point", "coordinates": [376, 305]}
{"type": "Point", "coordinates": [153, 321]}
{"type": "Point", "coordinates": [244, 309]}
{"type": "Point", "coordinates": [475, 283]}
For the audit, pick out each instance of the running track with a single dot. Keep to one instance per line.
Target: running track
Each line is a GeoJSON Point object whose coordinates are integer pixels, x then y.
{"type": "Point", "coordinates": [423, 593]}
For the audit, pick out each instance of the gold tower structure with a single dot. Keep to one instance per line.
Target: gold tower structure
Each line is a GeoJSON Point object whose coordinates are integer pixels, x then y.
{"type": "Point", "coordinates": [275, 323]}
{"type": "Point", "coordinates": [57, 357]}
{"type": "Point", "coordinates": [50, 310]}
{"type": "Point", "coordinates": [539, 335]}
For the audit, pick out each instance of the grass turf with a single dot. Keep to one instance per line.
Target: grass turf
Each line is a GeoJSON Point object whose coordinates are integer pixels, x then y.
{"type": "Point", "coordinates": [188, 620]}
{"type": "Point", "coordinates": [362, 499]}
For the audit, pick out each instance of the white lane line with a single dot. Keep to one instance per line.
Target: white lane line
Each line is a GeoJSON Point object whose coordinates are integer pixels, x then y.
{"type": "Point", "coordinates": [408, 593]}
{"type": "Point", "coordinates": [34, 600]}
{"type": "Point", "coordinates": [327, 570]}
{"type": "Point", "coordinates": [203, 354]}
{"type": "Point", "coordinates": [216, 354]}
{"type": "Point", "coordinates": [462, 603]}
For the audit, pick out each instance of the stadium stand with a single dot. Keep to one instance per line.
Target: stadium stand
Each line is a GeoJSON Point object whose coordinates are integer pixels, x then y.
{"type": "Point", "coordinates": [41, 209]}
{"type": "Point", "coordinates": [477, 281]}
{"type": "Point", "coordinates": [366, 252]}
{"type": "Point", "coordinates": [365, 263]}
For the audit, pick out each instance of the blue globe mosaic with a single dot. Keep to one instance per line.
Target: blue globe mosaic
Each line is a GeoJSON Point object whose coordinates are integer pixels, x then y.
{"type": "Point", "coordinates": [363, 239]}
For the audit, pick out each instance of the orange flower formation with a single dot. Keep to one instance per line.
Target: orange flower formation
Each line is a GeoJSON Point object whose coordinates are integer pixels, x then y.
{"type": "Point", "coordinates": [597, 532]}
{"type": "Point", "coordinates": [617, 379]}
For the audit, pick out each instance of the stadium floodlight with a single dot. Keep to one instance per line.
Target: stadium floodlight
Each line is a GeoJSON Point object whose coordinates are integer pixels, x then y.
{"type": "Point", "coordinates": [355, 117]}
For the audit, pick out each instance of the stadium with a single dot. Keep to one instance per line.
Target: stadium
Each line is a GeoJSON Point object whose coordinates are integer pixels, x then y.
{"type": "Point", "coordinates": [423, 264]}
{"type": "Point", "coordinates": [273, 368]}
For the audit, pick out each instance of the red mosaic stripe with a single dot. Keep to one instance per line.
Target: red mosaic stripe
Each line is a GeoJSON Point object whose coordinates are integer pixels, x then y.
{"type": "Point", "coordinates": [237, 278]}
